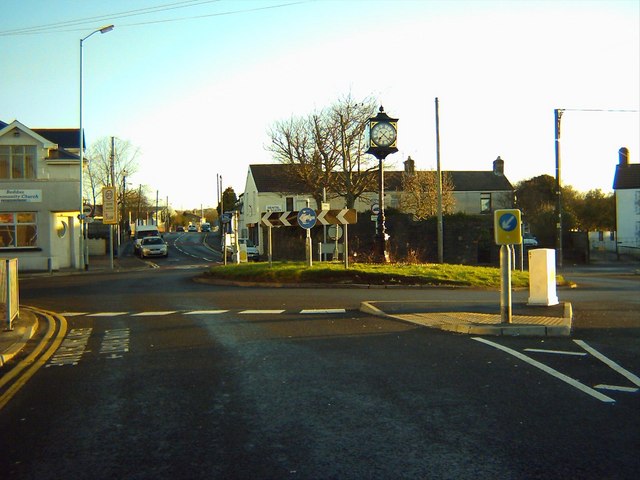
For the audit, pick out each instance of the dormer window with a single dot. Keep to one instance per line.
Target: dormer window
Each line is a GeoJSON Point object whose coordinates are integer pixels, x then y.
{"type": "Point", "coordinates": [17, 162]}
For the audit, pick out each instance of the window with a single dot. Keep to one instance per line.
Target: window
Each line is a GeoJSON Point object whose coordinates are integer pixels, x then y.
{"type": "Point", "coordinates": [18, 229]}
{"type": "Point", "coordinates": [289, 207]}
{"type": "Point", "coordinates": [17, 161]}
{"type": "Point", "coordinates": [485, 203]}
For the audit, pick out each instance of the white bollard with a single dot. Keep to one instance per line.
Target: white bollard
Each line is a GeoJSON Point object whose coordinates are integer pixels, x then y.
{"type": "Point", "coordinates": [542, 277]}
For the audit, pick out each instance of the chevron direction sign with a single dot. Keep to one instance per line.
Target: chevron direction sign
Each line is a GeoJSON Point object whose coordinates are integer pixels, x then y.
{"type": "Point", "coordinates": [280, 219]}
{"type": "Point", "coordinates": [344, 216]}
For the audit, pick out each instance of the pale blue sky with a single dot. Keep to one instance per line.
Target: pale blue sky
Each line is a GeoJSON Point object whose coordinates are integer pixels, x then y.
{"type": "Point", "coordinates": [198, 95]}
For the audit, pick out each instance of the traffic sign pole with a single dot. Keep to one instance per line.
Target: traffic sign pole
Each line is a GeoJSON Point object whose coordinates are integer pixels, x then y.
{"type": "Point", "coordinates": [505, 284]}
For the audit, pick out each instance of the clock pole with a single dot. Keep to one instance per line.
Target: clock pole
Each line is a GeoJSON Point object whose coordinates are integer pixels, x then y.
{"type": "Point", "coordinates": [382, 142]}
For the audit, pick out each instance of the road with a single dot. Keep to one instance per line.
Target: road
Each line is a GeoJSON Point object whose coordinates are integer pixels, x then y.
{"type": "Point", "coordinates": [162, 377]}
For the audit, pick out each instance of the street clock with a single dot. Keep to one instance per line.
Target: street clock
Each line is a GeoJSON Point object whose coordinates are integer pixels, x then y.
{"type": "Point", "coordinates": [383, 133]}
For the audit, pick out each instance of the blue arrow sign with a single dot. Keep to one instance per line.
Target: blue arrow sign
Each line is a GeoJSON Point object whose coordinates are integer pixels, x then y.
{"type": "Point", "coordinates": [307, 218]}
{"type": "Point", "coordinates": [508, 222]}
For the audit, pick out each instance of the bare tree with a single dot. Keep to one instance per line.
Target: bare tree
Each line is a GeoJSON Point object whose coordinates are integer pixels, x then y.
{"type": "Point", "coordinates": [326, 150]}
{"type": "Point", "coordinates": [100, 172]}
{"type": "Point", "coordinates": [357, 173]}
{"type": "Point", "coordinates": [420, 193]}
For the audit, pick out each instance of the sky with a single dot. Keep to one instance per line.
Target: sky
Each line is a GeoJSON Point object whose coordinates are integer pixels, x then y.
{"type": "Point", "coordinates": [196, 85]}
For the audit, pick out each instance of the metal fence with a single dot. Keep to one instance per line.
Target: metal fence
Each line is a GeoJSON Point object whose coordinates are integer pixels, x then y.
{"type": "Point", "coordinates": [9, 298]}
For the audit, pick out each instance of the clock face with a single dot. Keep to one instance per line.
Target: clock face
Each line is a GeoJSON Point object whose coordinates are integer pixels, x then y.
{"type": "Point", "coordinates": [383, 134]}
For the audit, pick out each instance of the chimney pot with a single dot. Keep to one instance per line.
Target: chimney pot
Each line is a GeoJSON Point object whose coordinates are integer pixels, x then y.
{"type": "Point", "coordinates": [498, 166]}
{"type": "Point", "coordinates": [623, 155]}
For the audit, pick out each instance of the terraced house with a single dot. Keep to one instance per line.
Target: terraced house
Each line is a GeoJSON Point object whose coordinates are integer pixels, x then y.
{"type": "Point", "coordinates": [39, 196]}
{"type": "Point", "coordinates": [269, 188]}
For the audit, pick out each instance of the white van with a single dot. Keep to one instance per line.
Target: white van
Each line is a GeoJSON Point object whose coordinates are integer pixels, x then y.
{"type": "Point", "coordinates": [142, 231]}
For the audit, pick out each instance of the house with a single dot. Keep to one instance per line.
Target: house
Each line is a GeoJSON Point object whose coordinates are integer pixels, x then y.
{"type": "Point", "coordinates": [626, 185]}
{"type": "Point", "coordinates": [268, 188]}
{"type": "Point", "coordinates": [39, 196]}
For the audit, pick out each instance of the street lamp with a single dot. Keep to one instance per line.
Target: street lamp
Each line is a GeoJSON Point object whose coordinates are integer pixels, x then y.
{"type": "Point", "coordinates": [84, 257]}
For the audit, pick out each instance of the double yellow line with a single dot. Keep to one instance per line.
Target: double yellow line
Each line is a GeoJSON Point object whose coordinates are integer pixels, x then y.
{"type": "Point", "coordinates": [36, 359]}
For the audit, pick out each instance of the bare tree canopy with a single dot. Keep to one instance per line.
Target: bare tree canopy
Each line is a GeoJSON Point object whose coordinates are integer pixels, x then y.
{"type": "Point", "coordinates": [420, 193]}
{"type": "Point", "coordinates": [102, 172]}
{"type": "Point", "coordinates": [326, 150]}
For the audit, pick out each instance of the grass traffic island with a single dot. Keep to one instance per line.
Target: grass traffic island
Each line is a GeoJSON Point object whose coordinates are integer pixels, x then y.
{"type": "Point", "coordinates": [366, 274]}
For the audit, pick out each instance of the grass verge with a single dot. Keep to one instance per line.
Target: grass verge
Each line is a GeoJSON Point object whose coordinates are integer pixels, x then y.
{"type": "Point", "coordinates": [367, 273]}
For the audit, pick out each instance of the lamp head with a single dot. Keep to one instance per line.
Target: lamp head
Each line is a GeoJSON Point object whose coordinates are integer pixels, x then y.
{"type": "Point", "coordinates": [106, 29]}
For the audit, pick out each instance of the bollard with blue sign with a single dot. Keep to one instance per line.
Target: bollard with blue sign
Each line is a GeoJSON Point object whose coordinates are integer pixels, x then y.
{"type": "Point", "coordinates": [507, 231]}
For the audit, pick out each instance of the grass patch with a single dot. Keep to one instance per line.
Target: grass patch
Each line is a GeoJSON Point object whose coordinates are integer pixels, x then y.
{"type": "Point", "coordinates": [367, 273]}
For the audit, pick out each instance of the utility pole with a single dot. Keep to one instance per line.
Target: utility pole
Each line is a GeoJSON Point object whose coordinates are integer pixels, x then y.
{"type": "Point", "coordinates": [558, 115]}
{"type": "Point", "coordinates": [440, 229]}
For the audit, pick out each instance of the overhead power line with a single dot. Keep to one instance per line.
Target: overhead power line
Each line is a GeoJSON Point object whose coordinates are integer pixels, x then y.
{"type": "Point", "coordinates": [68, 25]}
{"type": "Point", "coordinates": [56, 26]}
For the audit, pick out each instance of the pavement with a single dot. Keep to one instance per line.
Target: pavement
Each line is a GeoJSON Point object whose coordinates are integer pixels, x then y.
{"type": "Point", "coordinates": [480, 318]}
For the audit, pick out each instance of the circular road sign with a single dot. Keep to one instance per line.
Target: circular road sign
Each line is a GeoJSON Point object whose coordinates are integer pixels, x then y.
{"type": "Point", "coordinates": [334, 232]}
{"type": "Point", "coordinates": [307, 218]}
{"type": "Point", "coordinates": [508, 222]}
{"type": "Point", "coordinates": [375, 209]}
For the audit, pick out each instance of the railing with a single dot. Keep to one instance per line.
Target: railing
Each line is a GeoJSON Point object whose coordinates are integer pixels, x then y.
{"type": "Point", "coordinates": [9, 301]}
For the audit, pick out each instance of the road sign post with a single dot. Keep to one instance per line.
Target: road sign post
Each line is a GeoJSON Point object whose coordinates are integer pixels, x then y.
{"type": "Point", "coordinates": [507, 232]}
{"type": "Point", "coordinates": [307, 220]}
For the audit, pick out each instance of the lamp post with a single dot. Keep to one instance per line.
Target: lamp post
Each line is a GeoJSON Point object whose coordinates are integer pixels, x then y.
{"type": "Point", "coordinates": [84, 257]}
{"type": "Point", "coordinates": [383, 132]}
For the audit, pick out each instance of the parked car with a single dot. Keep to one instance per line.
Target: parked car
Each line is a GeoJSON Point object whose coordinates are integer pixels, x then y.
{"type": "Point", "coordinates": [253, 254]}
{"type": "Point", "coordinates": [153, 247]}
{"type": "Point", "coordinates": [529, 240]}
{"type": "Point", "coordinates": [179, 228]}
{"type": "Point", "coordinates": [192, 228]}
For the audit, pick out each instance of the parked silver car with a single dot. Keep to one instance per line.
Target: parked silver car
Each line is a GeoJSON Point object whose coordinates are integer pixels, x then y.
{"type": "Point", "coordinates": [153, 247]}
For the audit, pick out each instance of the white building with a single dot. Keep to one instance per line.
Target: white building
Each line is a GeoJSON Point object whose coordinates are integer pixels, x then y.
{"type": "Point", "coordinates": [626, 185]}
{"type": "Point", "coordinates": [39, 197]}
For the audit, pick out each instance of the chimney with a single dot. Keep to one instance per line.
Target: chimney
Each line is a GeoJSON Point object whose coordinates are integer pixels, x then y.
{"type": "Point", "coordinates": [498, 166]}
{"type": "Point", "coordinates": [409, 165]}
{"type": "Point", "coordinates": [623, 155]}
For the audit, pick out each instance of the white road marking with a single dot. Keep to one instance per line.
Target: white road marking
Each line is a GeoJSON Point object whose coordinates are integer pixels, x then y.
{"type": "Point", "coordinates": [206, 312]}
{"type": "Point", "coordinates": [616, 388]}
{"type": "Point", "coordinates": [215, 312]}
{"type": "Point", "coordinates": [151, 314]}
{"type": "Point", "coordinates": [324, 310]}
{"type": "Point", "coordinates": [72, 348]}
{"type": "Point", "coordinates": [560, 376]}
{"type": "Point", "coordinates": [252, 312]}
{"type": "Point", "coordinates": [622, 371]}
{"type": "Point", "coordinates": [558, 352]}
{"type": "Point", "coordinates": [115, 342]}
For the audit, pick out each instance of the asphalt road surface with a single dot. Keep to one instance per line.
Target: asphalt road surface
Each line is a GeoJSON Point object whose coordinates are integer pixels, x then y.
{"type": "Point", "coordinates": [161, 377]}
